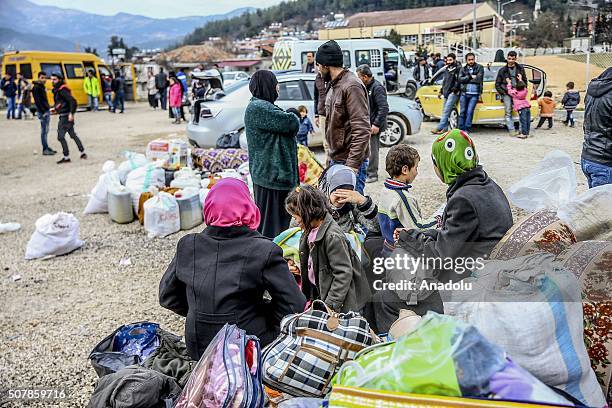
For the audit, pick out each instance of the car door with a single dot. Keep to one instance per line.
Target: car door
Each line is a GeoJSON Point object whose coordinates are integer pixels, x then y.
{"type": "Point", "coordinates": [537, 85]}
{"type": "Point", "coordinates": [431, 104]}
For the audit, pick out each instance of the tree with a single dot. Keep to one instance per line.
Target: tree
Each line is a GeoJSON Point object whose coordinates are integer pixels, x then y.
{"type": "Point", "coordinates": [545, 32]}
{"type": "Point", "coordinates": [91, 50]}
{"type": "Point", "coordinates": [395, 38]}
{"type": "Point", "coordinates": [117, 42]}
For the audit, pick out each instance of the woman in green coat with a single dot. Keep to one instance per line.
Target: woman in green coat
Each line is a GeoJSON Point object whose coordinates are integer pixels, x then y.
{"type": "Point", "coordinates": [271, 138]}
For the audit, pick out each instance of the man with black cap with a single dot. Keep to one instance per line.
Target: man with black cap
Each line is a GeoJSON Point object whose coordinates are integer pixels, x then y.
{"type": "Point", "coordinates": [347, 124]}
{"type": "Point", "coordinates": [65, 107]}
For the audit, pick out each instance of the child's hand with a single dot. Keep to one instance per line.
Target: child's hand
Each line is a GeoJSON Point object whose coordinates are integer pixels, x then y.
{"type": "Point", "coordinates": [508, 81]}
{"type": "Point", "coordinates": [519, 77]}
{"type": "Point", "coordinates": [397, 233]}
{"type": "Point", "coordinates": [349, 196]}
{"type": "Point", "coordinates": [293, 267]}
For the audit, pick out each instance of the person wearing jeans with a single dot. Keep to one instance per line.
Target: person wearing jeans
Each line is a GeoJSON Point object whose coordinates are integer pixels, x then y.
{"type": "Point", "coordinates": [9, 88]}
{"type": "Point", "coordinates": [596, 157]}
{"type": "Point", "coordinates": [10, 107]}
{"type": "Point", "coordinates": [470, 78]}
{"type": "Point", "coordinates": [91, 86]}
{"type": "Point", "coordinates": [511, 71]}
{"type": "Point", "coordinates": [42, 111]}
{"type": "Point", "coordinates": [65, 106]}
{"type": "Point", "coordinates": [450, 92]}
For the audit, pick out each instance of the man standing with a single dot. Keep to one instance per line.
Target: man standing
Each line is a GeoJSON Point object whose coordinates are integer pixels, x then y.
{"type": "Point", "coordinates": [65, 107]}
{"type": "Point", "coordinates": [421, 72]}
{"type": "Point", "coordinates": [161, 82]}
{"type": "Point", "coordinates": [379, 108]}
{"type": "Point", "coordinates": [42, 111]}
{"type": "Point", "coordinates": [309, 68]}
{"type": "Point", "coordinates": [320, 92]}
{"type": "Point", "coordinates": [151, 90]}
{"type": "Point", "coordinates": [450, 92]}
{"type": "Point", "coordinates": [107, 90]}
{"type": "Point", "coordinates": [511, 70]}
{"type": "Point", "coordinates": [438, 63]}
{"type": "Point", "coordinates": [10, 92]}
{"type": "Point", "coordinates": [118, 86]}
{"type": "Point", "coordinates": [92, 89]}
{"type": "Point", "coordinates": [470, 78]}
{"type": "Point", "coordinates": [597, 147]}
{"type": "Point", "coordinates": [347, 124]}
{"type": "Point", "coordinates": [22, 95]}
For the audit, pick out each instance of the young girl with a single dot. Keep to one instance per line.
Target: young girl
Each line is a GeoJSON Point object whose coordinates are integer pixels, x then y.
{"type": "Point", "coordinates": [176, 99]}
{"type": "Point", "coordinates": [520, 104]}
{"type": "Point", "coordinates": [330, 269]}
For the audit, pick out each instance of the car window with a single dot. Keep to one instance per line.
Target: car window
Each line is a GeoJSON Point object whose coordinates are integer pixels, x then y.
{"type": "Point", "coordinates": [74, 71]}
{"type": "Point", "coordinates": [363, 57]}
{"type": "Point", "coordinates": [490, 73]}
{"type": "Point", "coordinates": [305, 56]}
{"type": "Point", "coordinates": [26, 70]}
{"type": "Point", "coordinates": [103, 69]}
{"type": "Point", "coordinates": [51, 68]}
{"type": "Point", "coordinates": [347, 59]}
{"type": "Point", "coordinates": [290, 91]}
{"type": "Point", "coordinates": [310, 87]}
{"type": "Point", "coordinates": [234, 87]}
{"type": "Point", "coordinates": [11, 69]}
{"type": "Point", "coordinates": [229, 76]}
{"type": "Point", "coordinates": [438, 77]}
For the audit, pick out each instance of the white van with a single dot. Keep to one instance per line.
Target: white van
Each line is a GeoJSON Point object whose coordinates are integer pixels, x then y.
{"type": "Point", "coordinates": [390, 65]}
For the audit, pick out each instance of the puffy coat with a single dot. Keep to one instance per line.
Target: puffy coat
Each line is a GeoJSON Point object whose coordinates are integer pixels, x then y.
{"type": "Point", "coordinates": [597, 146]}
{"type": "Point", "coordinates": [176, 95]}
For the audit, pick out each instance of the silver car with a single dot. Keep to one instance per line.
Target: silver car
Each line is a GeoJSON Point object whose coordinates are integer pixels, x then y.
{"type": "Point", "coordinates": [212, 118]}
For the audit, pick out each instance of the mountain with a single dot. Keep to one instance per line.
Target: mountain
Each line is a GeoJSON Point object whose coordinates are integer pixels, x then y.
{"type": "Point", "coordinates": [95, 30]}
{"type": "Point", "coordinates": [24, 41]}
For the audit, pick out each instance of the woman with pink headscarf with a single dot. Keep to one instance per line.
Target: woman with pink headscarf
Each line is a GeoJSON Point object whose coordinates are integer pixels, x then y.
{"type": "Point", "coordinates": [219, 275]}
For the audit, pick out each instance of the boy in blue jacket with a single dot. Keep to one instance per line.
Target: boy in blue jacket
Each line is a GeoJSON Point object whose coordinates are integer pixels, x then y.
{"type": "Point", "coordinates": [570, 101]}
{"type": "Point", "coordinates": [306, 127]}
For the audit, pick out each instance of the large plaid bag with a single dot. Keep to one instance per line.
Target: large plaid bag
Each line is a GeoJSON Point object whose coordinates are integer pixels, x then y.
{"type": "Point", "coordinates": [311, 348]}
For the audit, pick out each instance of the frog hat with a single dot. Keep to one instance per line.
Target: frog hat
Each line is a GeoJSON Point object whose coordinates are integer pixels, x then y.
{"type": "Point", "coordinates": [453, 154]}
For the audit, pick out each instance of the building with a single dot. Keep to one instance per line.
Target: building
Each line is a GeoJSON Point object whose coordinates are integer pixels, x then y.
{"type": "Point", "coordinates": [433, 28]}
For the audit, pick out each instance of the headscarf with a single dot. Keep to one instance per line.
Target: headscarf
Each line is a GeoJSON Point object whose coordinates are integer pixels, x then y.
{"type": "Point", "coordinates": [263, 85]}
{"type": "Point", "coordinates": [453, 154]}
{"type": "Point", "coordinates": [229, 204]}
{"type": "Point", "coordinates": [338, 176]}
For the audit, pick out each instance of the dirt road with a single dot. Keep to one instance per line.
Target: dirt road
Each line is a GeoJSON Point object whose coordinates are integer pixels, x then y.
{"type": "Point", "coordinates": [54, 312]}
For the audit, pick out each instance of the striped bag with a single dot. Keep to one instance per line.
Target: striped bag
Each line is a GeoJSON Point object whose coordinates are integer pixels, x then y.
{"type": "Point", "coordinates": [311, 348]}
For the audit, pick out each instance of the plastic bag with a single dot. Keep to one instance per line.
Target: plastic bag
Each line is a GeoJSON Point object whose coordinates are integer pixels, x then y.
{"type": "Point", "coordinates": [142, 179]}
{"type": "Point", "coordinates": [9, 227]}
{"type": "Point", "coordinates": [551, 185]}
{"type": "Point", "coordinates": [590, 214]}
{"type": "Point", "coordinates": [161, 216]}
{"type": "Point", "coordinates": [186, 178]}
{"type": "Point", "coordinates": [532, 308]}
{"type": "Point", "coordinates": [134, 161]}
{"type": "Point", "coordinates": [56, 234]}
{"type": "Point", "coordinates": [98, 199]}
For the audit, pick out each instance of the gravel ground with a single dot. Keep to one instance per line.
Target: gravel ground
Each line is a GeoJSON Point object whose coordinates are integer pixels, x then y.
{"type": "Point", "coordinates": [55, 311]}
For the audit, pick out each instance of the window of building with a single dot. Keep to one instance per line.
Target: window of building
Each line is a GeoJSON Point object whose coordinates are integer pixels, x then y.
{"type": "Point", "coordinates": [26, 70]}
{"type": "Point", "coordinates": [51, 68]}
{"type": "Point", "coordinates": [74, 71]}
{"type": "Point", "coordinates": [410, 39]}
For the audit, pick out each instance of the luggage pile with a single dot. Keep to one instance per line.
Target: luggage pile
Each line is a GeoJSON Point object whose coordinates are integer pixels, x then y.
{"type": "Point", "coordinates": [165, 188]}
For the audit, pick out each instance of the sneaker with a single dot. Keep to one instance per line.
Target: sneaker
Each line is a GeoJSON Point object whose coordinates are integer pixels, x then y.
{"type": "Point", "coordinates": [83, 156]}
{"type": "Point", "coordinates": [371, 179]}
{"type": "Point", "coordinates": [572, 125]}
{"type": "Point", "coordinates": [48, 152]}
{"type": "Point", "coordinates": [565, 122]}
{"type": "Point", "coordinates": [64, 160]}
{"type": "Point", "coordinates": [437, 132]}
{"type": "Point", "coordinates": [521, 136]}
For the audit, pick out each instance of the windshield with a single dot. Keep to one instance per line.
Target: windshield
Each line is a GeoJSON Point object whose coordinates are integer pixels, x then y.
{"type": "Point", "coordinates": [490, 73]}
{"type": "Point", "coordinates": [235, 86]}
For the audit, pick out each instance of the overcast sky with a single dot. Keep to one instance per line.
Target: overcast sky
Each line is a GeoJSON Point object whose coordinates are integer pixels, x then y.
{"type": "Point", "coordinates": [158, 8]}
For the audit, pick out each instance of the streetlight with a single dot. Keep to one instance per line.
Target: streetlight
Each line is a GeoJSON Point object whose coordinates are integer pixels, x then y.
{"type": "Point", "coordinates": [513, 22]}
{"type": "Point", "coordinates": [501, 13]}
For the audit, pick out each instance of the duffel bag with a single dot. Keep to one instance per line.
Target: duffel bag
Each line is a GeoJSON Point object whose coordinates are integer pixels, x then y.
{"type": "Point", "coordinates": [311, 348]}
{"type": "Point", "coordinates": [227, 375]}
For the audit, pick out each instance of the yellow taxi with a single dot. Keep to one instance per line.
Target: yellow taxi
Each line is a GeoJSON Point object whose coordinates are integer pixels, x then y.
{"type": "Point", "coordinates": [490, 109]}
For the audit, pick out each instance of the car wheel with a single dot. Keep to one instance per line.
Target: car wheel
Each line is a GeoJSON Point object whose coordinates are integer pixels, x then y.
{"type": "Point", "coordinates": [410, 91]}
{"type": "Point", "coordinates": [453, 119]}
{"type": "Point", "coordinates": [395, 132]}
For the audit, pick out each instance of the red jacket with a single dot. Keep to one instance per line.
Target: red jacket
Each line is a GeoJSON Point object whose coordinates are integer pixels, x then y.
{"type": "Point", "coordinates": [176, 95]}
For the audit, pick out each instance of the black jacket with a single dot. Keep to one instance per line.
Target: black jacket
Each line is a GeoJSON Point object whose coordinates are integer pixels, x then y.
{"type": "Point", "coordinates": [161, 80]}
{"type": "Point", "coordinates": [118, 85]}
{"type": "Point", "coordinates": [503, 74]}
{"type": "Point", "coordinates": [40, 97]}
{"type": "Point", "coordinates": [570, 100]}
{"type": "Point", "coordinates": [471, 225]}
{"type": "Point", "coordinates": [416, 73]}
{"type": "Point", "coordinates": [9, 87]}
{"type": "Point", "coordinates": [465, 77]}
{"type": "Point", "coordinates": [63, 99]}
{"type": "Point", "coordinates": [451, 80]}
{"type": "Point", "coordinates": [379, 107]}
{"type": "Point", "coordinates": [597, 146]}
{"type": "Point", "coordinates": [219, 276]}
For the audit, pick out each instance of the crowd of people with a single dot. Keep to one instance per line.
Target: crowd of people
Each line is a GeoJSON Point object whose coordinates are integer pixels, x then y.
{"type": "Point", "coordinates": [247, 265]}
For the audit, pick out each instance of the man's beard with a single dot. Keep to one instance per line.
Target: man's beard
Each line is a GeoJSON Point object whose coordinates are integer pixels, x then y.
{"type": "Point", "coordinates": [327, 76]}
